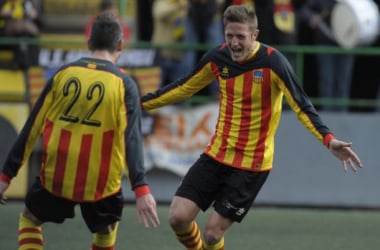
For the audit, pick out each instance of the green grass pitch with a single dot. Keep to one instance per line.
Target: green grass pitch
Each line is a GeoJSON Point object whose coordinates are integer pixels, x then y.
{"type": "Point", "coordinates": [265, 228]}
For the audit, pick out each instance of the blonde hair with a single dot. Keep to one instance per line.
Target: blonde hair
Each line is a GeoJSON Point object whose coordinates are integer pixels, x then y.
{"type": "Point", "coordinates": [241, 14]}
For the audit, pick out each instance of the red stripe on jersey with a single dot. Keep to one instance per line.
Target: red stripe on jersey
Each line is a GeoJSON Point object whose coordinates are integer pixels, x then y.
{"type": "Point", "coordinates": [60, 166]}
{"type": "Point", "coordinates": [230, 83]}
{"type": "Point", "coordinates": [105, 163]}
{"type": "Point", "coordinates": [266, 103]}
{"type": "Point", "coordinates": [45, 141]}
{"type": "Point", "coordinates": [245, 121]}
{"type": "Point", "coordinates": [82, 168]}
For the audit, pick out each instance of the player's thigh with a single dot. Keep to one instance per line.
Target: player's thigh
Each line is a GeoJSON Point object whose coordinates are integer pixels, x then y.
{"type": "Point", "coordinates": [239, 193]}
{"type": "Point", "coordinates": [103, 213]}
{"type": "Point", "coordinates": [201, 183]}
{"type": "Point", "coordinates": [47, 207]}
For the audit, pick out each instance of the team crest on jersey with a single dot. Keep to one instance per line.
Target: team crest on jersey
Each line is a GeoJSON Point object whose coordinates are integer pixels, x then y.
{"type": "Point", "coordinates": [258, 76]}
{"type": "Point", "coordinates": [225, 72]}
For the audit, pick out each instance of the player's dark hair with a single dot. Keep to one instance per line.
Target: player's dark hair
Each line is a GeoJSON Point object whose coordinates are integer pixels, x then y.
{"type": "Point", "coordinates": [106, 33]}
{"type": "Point", "coordinates": [106, 5]}
{"type": "Point", "coordinates": [241, 14]}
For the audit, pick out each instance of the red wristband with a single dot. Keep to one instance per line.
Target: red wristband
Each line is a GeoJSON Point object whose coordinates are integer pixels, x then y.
{"type": "Point", "coordinates": [5, 178]}
{"type": "Point", "coordinates": [141, 190]}
{"type": "Point", "coordinates": [327, 139]}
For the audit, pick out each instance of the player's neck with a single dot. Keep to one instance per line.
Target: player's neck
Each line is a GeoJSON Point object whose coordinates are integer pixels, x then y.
{"type": "Point", "coordinates": [105, 55]}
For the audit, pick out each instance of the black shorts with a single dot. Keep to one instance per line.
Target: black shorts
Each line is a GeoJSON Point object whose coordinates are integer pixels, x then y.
{"type": "Point", "coordinates": [50, 208]}
{"type": "Point", "coordinates": [231, 190]}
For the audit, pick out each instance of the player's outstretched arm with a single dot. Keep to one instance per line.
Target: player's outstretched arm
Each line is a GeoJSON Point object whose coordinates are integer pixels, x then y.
{"type": "Point", "coordinates": [342, 150]}
{"type": "Point", "coordinates": [147, 211]}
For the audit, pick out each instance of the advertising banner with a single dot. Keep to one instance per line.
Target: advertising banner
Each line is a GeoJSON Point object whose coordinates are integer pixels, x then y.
{"type": "Point", "coordinates": [180, 135]}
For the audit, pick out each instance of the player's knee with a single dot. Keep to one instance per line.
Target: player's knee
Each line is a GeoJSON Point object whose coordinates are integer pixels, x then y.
{"type": "Point", "coordinates": [176, 221]}
{"type": "Point", "coordinates": [108, 229]}
{"type": "Point", "coordinates": [212, 235]}
{"type": "Point", "coordinates": [28, 214]}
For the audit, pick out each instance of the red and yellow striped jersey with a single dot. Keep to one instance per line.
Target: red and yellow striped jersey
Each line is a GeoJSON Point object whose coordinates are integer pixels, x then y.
{"type": "Point", "coordinates": [251, 99]}
{"type": "Point", "coordinates": [89, 117]}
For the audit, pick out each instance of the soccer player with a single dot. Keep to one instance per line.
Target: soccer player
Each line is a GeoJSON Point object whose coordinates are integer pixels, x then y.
{"type": "Point", "coordinates": [89, 117]}
{"type": "Point", "coordinates": [253, 78]}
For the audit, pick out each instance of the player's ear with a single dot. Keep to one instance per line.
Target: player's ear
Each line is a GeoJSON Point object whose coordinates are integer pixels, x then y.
{"type": "Point", "coordinates": [89, 45]}
{"type": "Point", "coordinates": [255, 34]}
{"type": "Point", "coordinates": [120, 45]}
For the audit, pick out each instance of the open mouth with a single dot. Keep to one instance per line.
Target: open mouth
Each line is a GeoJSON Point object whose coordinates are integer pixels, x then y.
{"type": "Point", "coordinates": [236, 52]}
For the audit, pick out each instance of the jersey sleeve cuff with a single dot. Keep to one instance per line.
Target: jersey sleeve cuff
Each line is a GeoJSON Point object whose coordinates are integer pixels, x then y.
{"type": "Point", "coordinates": [5, 178]}
{"type": "Point", "coordinates": [327, 139]}
{"type": "Point", "coordinates": [141, 190]}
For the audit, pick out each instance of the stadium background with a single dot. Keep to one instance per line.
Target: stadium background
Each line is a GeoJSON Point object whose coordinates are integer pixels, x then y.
{"type": "Point", "coordinates": [305, 173]}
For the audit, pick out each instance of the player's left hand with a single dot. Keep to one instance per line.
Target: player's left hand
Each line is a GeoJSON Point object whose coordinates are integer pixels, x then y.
{"type": "Point", "coordinates": [147, 211]}
{"type": "Point", "coordinates": [342, 150]}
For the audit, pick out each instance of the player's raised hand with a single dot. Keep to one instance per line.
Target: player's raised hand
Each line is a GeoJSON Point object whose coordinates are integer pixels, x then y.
{"type": "Point", "coordinates": [147, 211]}
{"type": "Point", "coordinates": [3, 187]}
{"type": "Point", "coordinates": [342, 150]}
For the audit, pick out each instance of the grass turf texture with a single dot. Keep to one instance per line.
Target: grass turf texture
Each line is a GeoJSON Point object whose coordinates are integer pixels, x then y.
{"type": "Point", "coordinates": [264, 228]}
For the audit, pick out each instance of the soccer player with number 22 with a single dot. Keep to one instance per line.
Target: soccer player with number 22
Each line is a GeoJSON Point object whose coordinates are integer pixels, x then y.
{"type": "Point", "coordinates": [89, 117]}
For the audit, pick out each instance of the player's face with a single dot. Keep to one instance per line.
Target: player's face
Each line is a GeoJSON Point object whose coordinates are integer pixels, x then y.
{"type": "Point", "coordinates": [240, 40]}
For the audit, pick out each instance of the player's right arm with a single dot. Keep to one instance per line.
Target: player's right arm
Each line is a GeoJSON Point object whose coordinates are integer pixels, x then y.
{"type": "Point", "coordinates": [183, 88]}
{"type": "Point", "coordinates": [26, 140]}
{"type": "Point", "coordinates": [145, 202]}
